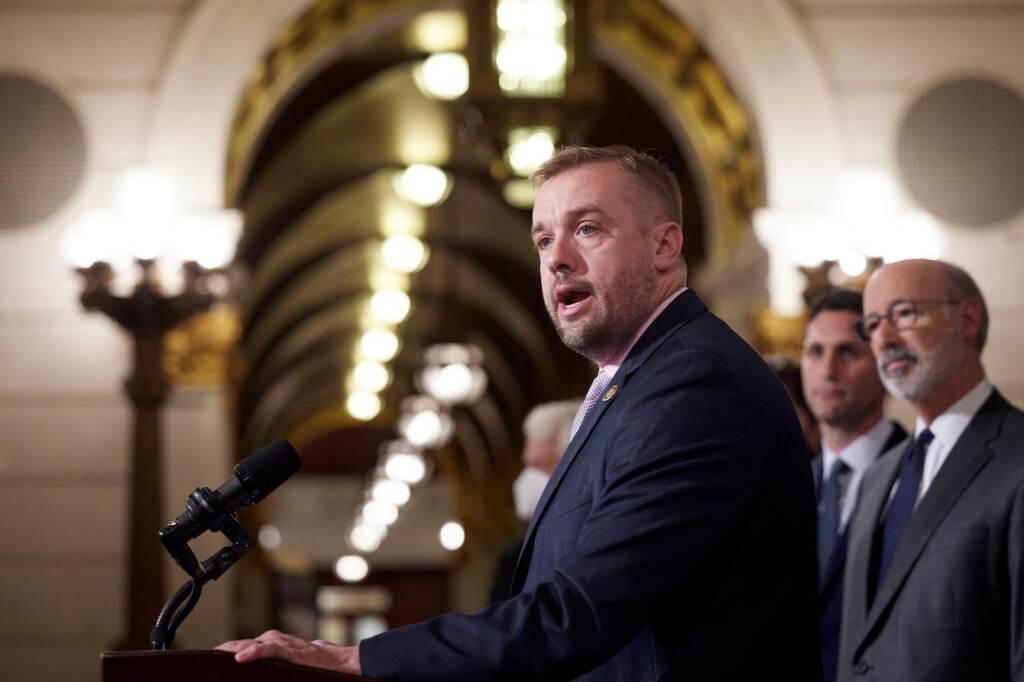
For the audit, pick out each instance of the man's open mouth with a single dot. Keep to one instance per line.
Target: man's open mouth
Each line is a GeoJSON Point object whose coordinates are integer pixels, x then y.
{"type": "Point", "coordinates": [571, 299]}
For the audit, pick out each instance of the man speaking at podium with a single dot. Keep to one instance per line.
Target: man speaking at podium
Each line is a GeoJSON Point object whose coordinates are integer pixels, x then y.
{"type": "Point", "coordinates": [676, 538]}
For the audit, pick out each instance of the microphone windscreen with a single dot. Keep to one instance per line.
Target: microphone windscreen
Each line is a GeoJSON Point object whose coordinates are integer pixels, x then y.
{"type": "Point", "coordinates": [270, 466]}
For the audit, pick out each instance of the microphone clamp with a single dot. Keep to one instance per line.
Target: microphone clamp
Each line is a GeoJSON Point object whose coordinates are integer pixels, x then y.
{"type": "Point", "coordinates": [204, 510]}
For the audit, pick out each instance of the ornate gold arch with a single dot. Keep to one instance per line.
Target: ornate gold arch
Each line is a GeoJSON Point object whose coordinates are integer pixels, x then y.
{"type": "Point", "coordinates": [652, 38]}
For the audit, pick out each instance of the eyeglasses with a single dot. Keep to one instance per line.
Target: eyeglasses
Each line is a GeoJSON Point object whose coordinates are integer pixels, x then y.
{"type": "Point", "coordinates": [902, 315]}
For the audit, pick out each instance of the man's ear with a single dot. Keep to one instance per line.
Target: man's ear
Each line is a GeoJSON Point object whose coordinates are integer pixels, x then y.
{"type": "Point", "coordinates": [668, 245]}
{"type": "Point", "coordinates": [970, 320]}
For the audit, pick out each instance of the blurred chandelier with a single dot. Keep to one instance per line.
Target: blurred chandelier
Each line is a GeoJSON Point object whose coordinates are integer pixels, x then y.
{"type": "Point", "coordinates": [452, 373]}
{"type": "Point", "coordinates": [534, 79]}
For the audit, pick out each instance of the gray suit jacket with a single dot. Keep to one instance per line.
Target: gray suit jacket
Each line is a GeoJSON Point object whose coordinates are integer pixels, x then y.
{"type": "Point", "coordinates": [951, 606]}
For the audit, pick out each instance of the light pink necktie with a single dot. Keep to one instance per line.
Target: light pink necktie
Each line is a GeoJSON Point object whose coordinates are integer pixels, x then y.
{"type": "Point", "coordinates": [597, 388]}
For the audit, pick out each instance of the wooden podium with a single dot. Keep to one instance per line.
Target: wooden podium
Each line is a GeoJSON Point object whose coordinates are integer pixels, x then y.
{"type": "Point", "coordinates": [205, 666]}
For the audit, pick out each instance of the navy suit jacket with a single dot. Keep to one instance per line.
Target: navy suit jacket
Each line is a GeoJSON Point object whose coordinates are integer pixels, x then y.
{"type": "Point", "coordinates": [675, 540]}
{"type": "Point", "coordinates": [830, 590]}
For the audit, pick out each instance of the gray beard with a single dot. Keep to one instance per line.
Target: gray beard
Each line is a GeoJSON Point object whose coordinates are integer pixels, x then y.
{"type": "Point", "coordinates": [931, 369]}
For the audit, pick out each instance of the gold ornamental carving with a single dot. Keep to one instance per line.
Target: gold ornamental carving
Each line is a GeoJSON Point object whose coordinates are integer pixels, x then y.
{"type": "Point", "coordinates": [199, 353]}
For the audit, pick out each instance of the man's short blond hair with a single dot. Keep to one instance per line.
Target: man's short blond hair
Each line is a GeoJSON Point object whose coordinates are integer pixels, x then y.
{"type": "Point", "coordinates": [652, 176]}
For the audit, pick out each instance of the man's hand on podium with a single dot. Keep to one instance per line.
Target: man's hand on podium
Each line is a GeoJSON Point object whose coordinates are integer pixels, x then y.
{"type": "Point", "coordinates": [317, 654]}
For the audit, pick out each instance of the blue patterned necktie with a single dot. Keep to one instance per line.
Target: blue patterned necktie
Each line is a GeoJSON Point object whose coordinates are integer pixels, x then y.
{"type": "Point", "coordinates": [597, 388]}
{"type": "Point", "coordinates": [902, 505]}
{"type": "Point", "coordinates": [828, 521]}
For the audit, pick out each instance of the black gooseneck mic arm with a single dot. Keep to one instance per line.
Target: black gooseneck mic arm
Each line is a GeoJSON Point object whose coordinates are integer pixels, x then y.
{"type": "Point", "coordinates": [254, 478]}
{"type": "Point", "coordinates": [175, 537]}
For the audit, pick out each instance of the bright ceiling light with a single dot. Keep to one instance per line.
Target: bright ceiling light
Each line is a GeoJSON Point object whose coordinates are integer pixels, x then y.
{"type": "Point", "coordinates": [452, 535]}
{"type": "Point", "coordinates": [519, 193]}
{"type": "Point", "coordinates": [528, 148]}
{"type": "Point", "coordinates": [351, 568]}
{"type": "Point", "coordinates": [424, 422]}
{"type": "Point", "coordinates": [378, 344]}
{"type": "Point", "coordinates": [145, 240]}
{"type": "Point", "coordinates": [403, 462]}
{"type": "Point", "coordinates": [145, 192]}
{"type": "Point", "coordinates": [853, 263]}
{"type": "Point", "coordinates": [379, 513]}
{"type": "Point", "coordinates": [452, 373]}
{"type": "Point", "coordinates": [269, 537]}
{"type": "Point", "coordinates": [209, 238]}
{"type": "Point", "coordinates": [366, 538]}
{"type": "Point", "coordinates": [404, 253]}
{"type": "Point", "coordinates": [392, 492]}
{"type": "Point", "coordinates": [917, 235]}
{"type": "Point", "coordinates": [531, 57]}
{"type": "Point", "coordinates": [423, 184]}
{"type": "Point", "coordinates": [409, 468]}
{"type": "Point", "coordinates": [370, 376]}
{"type": "Point", "coordinates": [530, 16]}
{"type": "Point", "coordinates": [92, 238]}
{"type": "Point", "coordinates": [439, 30]}
{"type": "Point", "coordinates": [363, 406]}
{"type": "Point", "coordinates": [443, 76]}
{"type": "Point", "coordinates": [390, 305]}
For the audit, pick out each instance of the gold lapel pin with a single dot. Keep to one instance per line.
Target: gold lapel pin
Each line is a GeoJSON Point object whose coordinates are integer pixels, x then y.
{"type": "Point", "coordinates": [610, 393]}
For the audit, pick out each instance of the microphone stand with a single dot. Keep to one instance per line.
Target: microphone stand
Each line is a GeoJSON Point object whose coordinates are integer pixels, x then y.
{"type": "Point", "coordinates": [203, 511]}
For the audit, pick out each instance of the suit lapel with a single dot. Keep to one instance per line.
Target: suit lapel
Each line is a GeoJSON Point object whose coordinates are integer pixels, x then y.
{"type": "Point", "coordinates": [861, 543]}
{"type": "Point", "coordinates": [678, 313]}
{"type": "Point", "coordinates": [970, 454]}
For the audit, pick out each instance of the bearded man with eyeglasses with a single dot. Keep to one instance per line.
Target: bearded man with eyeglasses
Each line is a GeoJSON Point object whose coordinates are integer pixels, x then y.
{"type": "Point", "coordinates": [935, 572]}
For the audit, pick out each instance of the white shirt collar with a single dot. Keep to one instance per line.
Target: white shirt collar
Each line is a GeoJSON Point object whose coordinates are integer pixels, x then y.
{"type": "Point", "coordinates": [862, 452]}
{"type": "Point", "coordinates": [950, 425]}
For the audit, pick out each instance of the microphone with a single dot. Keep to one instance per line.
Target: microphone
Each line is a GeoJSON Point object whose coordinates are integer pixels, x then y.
{"type": "Point", "coordinates": [254, 478]}
{"type": "Point", "coordinates": [259, 474]}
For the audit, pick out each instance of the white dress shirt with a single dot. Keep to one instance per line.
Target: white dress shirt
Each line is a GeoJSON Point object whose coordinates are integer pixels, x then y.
{"type": "Point", "coordinates": [858, 455]}
{"type": "Point", "coordinates": [947, 429]}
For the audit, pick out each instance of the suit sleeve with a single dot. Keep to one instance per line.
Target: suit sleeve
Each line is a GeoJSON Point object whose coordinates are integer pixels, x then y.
{"type": "Point", "coordinates": [1015, 544]}
{"type": "Point", "coordinates": [682, 469]}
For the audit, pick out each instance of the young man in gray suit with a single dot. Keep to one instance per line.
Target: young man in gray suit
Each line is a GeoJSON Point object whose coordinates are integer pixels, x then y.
{"type": "Point", "coordinates": [675, 539]}
{"type": "Point", "coordinates": [845, 395]}
{"type": "Point", "coordinates": [935, 572]}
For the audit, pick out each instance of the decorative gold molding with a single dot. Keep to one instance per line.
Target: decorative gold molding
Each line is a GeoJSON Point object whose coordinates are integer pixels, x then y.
{"type": "Point", "coordinates": [778, 334]}
{"type": "Point", "coordinates": [697, 91]}
{"type": "Point", "coordinates": [199, 352]}
{"type": "Point", "coordinates": [327, 420]}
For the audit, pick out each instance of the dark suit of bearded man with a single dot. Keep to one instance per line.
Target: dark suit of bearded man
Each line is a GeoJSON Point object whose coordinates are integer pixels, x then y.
{"type": "Point", "coordinates": [950, 606]}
